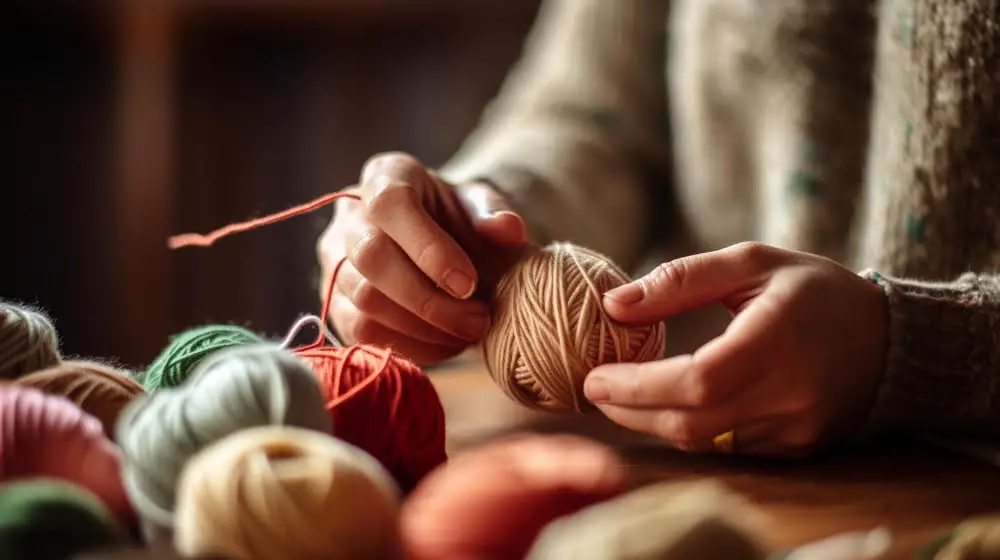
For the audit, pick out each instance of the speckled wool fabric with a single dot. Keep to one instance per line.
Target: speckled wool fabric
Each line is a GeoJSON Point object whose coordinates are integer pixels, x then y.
{"type": "Point", "coordinates": [867, 131]}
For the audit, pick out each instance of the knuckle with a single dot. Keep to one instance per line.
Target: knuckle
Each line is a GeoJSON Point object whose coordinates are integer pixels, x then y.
{"type": "Point", "coordinates": [629, 392]}
{"type": "Point", "coordinates": [701, 390]}
{"type": "Point", "coordinates": [753, 252]}
{"type": "Point", "coordinates": [365, 296]}
{"type": "Point", "coordinates": [427, 307]}
{"type": "Point", "coordinates": [679, 431]}
{"type": "Point", "coordinates": [388, 160]}
{"type": "Point", "coordinates": [389, 196]}
{"type": "Point", "coordinates": [670, 273]}
{"type": "Point", "coordinates": [369, 251]}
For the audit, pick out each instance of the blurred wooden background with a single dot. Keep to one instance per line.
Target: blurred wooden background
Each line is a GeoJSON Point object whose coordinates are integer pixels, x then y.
{"type": "Point", "coordinates": [128, 121]}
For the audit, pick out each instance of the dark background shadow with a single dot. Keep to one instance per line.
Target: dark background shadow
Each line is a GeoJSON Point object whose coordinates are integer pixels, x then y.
{"type": "Point", "coordinates": [125, 122]}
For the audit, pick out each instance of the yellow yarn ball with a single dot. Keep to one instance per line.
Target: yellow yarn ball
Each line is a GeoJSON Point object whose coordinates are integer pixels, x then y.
{"type": "Point", "coordinates": [550, 329]}
{"type": "Point", "coordinates": [274, 493]}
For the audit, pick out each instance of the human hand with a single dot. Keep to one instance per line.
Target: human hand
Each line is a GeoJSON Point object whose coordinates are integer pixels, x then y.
{"type": "Point", "coordinates": [797, 367]}
{"type": "Point", "coordinates": [420, 256]}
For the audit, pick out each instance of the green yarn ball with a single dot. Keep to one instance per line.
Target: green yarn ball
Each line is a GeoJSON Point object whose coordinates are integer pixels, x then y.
{"type": "Point", "coordinates": [43, 519]}
{"type": "Point", "coordinates": [186, 350]}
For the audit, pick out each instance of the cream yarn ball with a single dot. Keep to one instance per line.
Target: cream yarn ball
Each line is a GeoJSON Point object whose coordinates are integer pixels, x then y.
{"type": "Point", "coordinates": [550, 329]}
{"type": "Point", "coordinates": [275, 493]}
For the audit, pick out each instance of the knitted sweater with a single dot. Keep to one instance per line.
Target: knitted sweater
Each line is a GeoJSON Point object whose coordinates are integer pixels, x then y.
{"type": "Point", "coordinates": [867, 131]}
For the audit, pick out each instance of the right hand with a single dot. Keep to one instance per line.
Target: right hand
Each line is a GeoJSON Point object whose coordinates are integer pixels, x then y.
{"type": "Point", "coordinates": [420, 258]}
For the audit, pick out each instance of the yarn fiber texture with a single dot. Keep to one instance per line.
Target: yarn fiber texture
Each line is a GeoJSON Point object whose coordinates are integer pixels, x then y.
{"type": "Point", "coordinates": [233, 389]}
{"type": "Point", "coordinates": [28, 341]}
{"type": "Point", "coordinates": [550, 329]}
{"type": "Point", "coordinates": [700, 520]}
{"type": "Point", "coordinates": [96, 388]}
{"type": "Point", "coordinates": [186, 350]}
{"type": "Point", "coordinates": [384, 404]}
{"type": "Point", "coordinates": [490, 503]}
{"type": "Point", "coordinates": [52, 520]}
{"type": "Point", "coordinates": [276, 493]}
{"type": "Point", "coordinates": [45, 436]}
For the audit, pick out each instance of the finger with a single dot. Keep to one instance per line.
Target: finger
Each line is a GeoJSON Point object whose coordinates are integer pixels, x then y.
{"type": "Point", "coordinates": [691, 282]}
{"type": "Point", "coordinates": [492, 216]}
{"type": "Point", "coordinates": [709, 377]}
{"type": "Point", "coordinates": [393, 185]}
{"type": "Point", "coordinates": [379, 259]}
{"type": "Point", "coordinates": [354, 328]}
{"type": "Point", "coordinates": [684, 429]}
{"type": "Point", "coordinates": [371, 302]}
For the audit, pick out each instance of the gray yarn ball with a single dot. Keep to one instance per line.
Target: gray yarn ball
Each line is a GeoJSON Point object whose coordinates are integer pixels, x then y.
{"type": "Point", "coordinates": [28, 341]}
{"type": "Point", "coordinates": [231, 390]}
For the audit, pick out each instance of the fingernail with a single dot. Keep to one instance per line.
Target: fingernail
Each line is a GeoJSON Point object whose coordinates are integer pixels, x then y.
{"type": "Point", "coordinates": [474, 326]}
{"type": "Point", "coordinates": [629, 293]}
{"type": "Point", "coordinates": [498, 213]}
{"type": "Point", "coordinates": [460, 285]}
{"type": "Point", "coordinates": [596, 390]}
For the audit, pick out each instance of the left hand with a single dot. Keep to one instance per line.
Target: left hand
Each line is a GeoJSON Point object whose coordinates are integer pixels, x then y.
{"type": "Point", "coordinates": [797, 367]}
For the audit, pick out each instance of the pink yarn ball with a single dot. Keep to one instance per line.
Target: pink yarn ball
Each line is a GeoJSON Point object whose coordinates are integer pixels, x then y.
{"type": "Point", "coordinates": [45, 436]}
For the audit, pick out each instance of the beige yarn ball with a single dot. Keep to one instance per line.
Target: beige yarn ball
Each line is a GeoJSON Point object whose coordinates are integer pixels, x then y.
{"type": "Point", "coordinates": [275, 493]}
{"type": "Point", "coordinates": [28, 341]}
{"type": "Point", "coordinates": [550, 329]}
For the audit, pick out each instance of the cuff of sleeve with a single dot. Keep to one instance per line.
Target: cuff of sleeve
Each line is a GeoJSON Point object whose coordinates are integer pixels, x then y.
{"type": "Point", "coordinates": [940, 360]}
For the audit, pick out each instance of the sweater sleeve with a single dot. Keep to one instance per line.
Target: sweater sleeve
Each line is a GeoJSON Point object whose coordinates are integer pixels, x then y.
{"type": "Point", "coordinates": [930, 215]}
{"type": "Point", "coordinates": [943, 361]}
{"type": "Point", "coordinates": [579, 126]}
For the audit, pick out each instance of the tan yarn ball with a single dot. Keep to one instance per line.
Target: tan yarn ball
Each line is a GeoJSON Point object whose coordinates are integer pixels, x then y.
{"type": "Point", "coordinates": [28, 341]}
{"type": "Point", "coordinates": [550, 329]}
{"type": "Point", "coordinates": [275, 493]}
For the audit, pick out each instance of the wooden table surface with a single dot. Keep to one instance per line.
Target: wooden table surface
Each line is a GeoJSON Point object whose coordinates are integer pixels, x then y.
{"type": "Point", "coordinates": [914, 489]}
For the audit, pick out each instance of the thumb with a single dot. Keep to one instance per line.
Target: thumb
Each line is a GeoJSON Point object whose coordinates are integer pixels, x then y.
{"type": "Point", "coordinates": [691, 282]}
{"type": "Point", "coordinates": [492, 216]}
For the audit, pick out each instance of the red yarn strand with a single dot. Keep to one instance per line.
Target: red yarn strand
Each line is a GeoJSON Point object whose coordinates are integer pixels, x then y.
{"type": "Point", "coordinates": [207, 240]}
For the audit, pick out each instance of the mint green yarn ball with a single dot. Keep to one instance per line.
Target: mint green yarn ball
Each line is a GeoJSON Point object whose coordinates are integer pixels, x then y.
{"type": "Point", "coordinates": [186, 350]}
{"type": "Point", "coordinates": [47, 519]}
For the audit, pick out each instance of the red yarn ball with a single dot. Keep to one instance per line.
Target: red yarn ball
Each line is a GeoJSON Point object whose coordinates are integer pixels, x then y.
{"type": "Point", "coordinates": [384, 404]}
{"type": "Point", "coordinates": [45, 436]}
{"type": "Point", "coordinates": [492, 502]}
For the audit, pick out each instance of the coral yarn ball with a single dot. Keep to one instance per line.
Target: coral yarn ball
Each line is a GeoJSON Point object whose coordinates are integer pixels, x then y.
{"type": "Point", "coordinates": [492, 502]}
{"type": "Point", "coordinates": [44, 436]}
{"type": "Point", "coordinates": [275, 493]}
{"type": "Point", "coordinates": [96, 388]}
{"type": "Point", "coordinates": [384, 404]}
{"type": "Point", "coordinates": [550, 329]}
